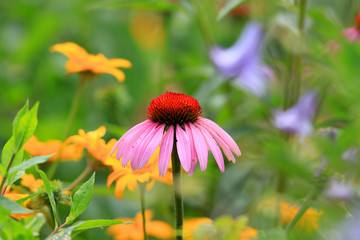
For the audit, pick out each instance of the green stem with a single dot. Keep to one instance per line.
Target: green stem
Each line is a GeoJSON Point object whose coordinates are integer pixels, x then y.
{"type": "Point", "coordinates": [178, 202]}
{"type": "Point", "coordinates": [87, 171]}
{"type": "Point", "coordinates": [55, 230]}
{"type": "Point", "coordinates": [311, 197]}
{"type": "Point", "coordinates": [142, 187]}
{"type": "Point", "coordinates": [70, 121]}
{"type": "Point", "coordinates": [6, 174]}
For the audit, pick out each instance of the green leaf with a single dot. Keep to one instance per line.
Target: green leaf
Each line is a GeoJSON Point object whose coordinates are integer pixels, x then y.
{"type": "Point", "coordinates": [14, 177]}
{"type": "Point", "coordinates": [156, 5]}
{"type": "Point", "coordinates": [19, 115]}
{"type": "Point", "coordinates": [35, 223]}
{"type": "Point", "coordinates": [50, 194]}
{"type": "Point", "coordinates": [96, 223]}
{"type": "Point", "coordinates": [11, 178]}
{"type": "Point", "coordinates": [228, 7]}
{"type": "Point", "coordinates": [26, 127]}
{"type": "Point", "coordinates": [29, 163]}
{"type": "Point", "coordinates": [7, 153]}
{"type": "Point", "coordinates": [2, 170]}
{"type": "Point", "coordinates": [22, 200]}
{"type": "Point", "coordinates": [65, 234]}
{"type": "Point", "coordinates": [81, 199]}
{"type": "Point", "coordinates": [12, 206]}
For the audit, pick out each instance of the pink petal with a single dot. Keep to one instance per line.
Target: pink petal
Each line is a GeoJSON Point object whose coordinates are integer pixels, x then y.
{"type": "Point", "coordinates": [223, 145]}
{"type": "Point", "coordinates": [122, 141]}
{"type": "Point", "coordinates": [183, 148]}
{"type": "Point", "coordinates": [222, 134]}
{"type": "Point", "coordinates": [133, 143]}
{"type": "Point", "coordinates": [165, 151]}
{"type": "Point", "coordinates": [214, 148]}
{"type": "Point", "coordinates": [200, 146]}
{"type": "Point", "coordinates": [193, 150]}
{"type": "Point", "coordinates": [152, 145]}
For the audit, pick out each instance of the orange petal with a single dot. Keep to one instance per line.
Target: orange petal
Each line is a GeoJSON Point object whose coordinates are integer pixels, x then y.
{"type": "Point", "coordinates": [118, 62]}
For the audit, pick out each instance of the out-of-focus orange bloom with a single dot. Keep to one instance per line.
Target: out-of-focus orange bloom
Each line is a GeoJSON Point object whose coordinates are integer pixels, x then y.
{"type": "Point", "coordinates": [248, 234]}
{"type": "Point", "coordinates": [92, 141]}
{"type": "Point", "coordinates": [127, 177]}
{"type": "Point", "coordinates": [147, 29]}
{"type": "Point", "coordinates": [37, 148]}
{"type": "Point", "coordinates": [308, 221]}
{"type": "Point", "coordinates": [134, 231]}
{"type": "Point", "coordinates": [81, 61]}
{"type": "Point", "coordinates": [29, 181]}
{"type": "Point", "coordinates": [190, 225]}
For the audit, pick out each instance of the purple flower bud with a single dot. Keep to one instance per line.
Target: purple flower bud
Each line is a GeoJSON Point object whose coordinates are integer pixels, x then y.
{"type": "Point", "coordinates": [298, 119]}
{"type": "Point", "coordinates": [242, 61]}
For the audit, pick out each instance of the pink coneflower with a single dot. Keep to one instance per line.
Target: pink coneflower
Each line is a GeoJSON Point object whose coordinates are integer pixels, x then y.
{"type": "Point", "coordinates": [175, 116]}
{"type": "Point", "coordinates": [353, 33]}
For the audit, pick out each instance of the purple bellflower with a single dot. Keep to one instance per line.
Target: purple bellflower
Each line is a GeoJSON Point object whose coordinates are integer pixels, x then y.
{"type": "Point", "coordinates": [242, 61]}
{"type": "Point", "coordinates": [298, 119]}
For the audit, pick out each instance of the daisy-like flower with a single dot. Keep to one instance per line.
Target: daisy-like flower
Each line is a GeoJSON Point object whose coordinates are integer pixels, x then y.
{"type": "Point", "coordinates": [242, 61]}
{"type": "Point", "coordinates": [80, 61]}
{"type": "Point", "coordinates": [68, 152]}
{"type": "Point", "coordinates": [133, 231]}
{"type": "Point", "coordinates": [127, 177]}
{"type": "Point", "coordinates": [353, 34]}
{"type": "Point", "coordinates": [175, 121]}
{"type": "Point", "coordinates": [298, 119]}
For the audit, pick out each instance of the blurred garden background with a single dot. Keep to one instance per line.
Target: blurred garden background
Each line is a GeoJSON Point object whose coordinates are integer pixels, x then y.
{"type": "Point", "coordinates": [304, 47]}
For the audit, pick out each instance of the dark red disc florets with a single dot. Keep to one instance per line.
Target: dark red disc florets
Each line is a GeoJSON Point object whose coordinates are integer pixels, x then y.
{"type": "Point", "coordinates": [174, 108]}
{"type": "Point", "coordinates": [357, 21]}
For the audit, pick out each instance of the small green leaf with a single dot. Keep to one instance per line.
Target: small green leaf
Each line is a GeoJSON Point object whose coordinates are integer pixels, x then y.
{"type": "Point", "coordinates": [2, 170]}
{"type": "Point", "coordinates": [19, 115]}
{"type": "Point", "coordinates": [29, 163]}
{"type": "Point", "coordinates": [96, 223]}
{"type": "Point", "coordinates": [19, 157]}
{"type": "Point", "coordinates": [229, 6]}
{"type": "Point", "coordinates": [12, 206]}
{"type": "Point", "coordinates": [26, 127]}
{"type": "Point", "coordinates": [81, 199]}
{"type": "Point", "coordinates": [7, 153]}
{"type": "Point", "coordinates": [14, 177]}
{"type": "Point", "coordinates": [22, 200]}
{"type": "Point", "coordinates": [50, 194]}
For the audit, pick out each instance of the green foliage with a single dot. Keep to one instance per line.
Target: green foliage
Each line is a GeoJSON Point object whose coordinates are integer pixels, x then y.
{"type": "Point", "coordinates": [81, 199]}
{"type": "Point", "coordinates": [228, 7]}
{"type": "Point", "coordinates": [12, 206]}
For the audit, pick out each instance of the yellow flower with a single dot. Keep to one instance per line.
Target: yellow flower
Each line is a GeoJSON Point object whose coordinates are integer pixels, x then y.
{"type": "Point", "coordinates": [134, 231]}
{"type": "Point", "coordinates": [127, 177]}
{"type": "Point", "coordinates": [68, 152]}
{"type": "Point", "coordinates": [80, 61]}
{"type": "Point", "coordinates": [92, 141]}
{"type": "Point", "coordinates": [308, 221]}
{"type": "Point", "coordinates": [248, 234]}
{"type": "Point", "coordinates": [190, 225]}
{"type": "Point", "coordinates": [29, 181]}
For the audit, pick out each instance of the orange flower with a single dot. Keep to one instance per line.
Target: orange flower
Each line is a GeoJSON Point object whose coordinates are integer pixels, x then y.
{"type": "Point", "coordinates": [190, 225]}
{"type": "Point", "coordinates": [308, 221]}
{"type": "Point", "coordinates": [80, 61]}
{"type": "Point", "coordinates": [126, 177]}
{"type": "Point", "coordinates": [36, 148]}
{"type": "Point", "coordinates": [248, 234]}
{"type": "Point", "coordinates": [29, 181]}
{"type": "Point", "coordinates": [92, 141]}
{"type": "Point", "coordinates": [134, 231]}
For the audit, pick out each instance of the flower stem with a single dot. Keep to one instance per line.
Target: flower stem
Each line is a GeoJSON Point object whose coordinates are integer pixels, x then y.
{"type": "Point", "coordinates": [178, 202]}
{"type": "Point", "coordinates": [70, 121]}
{"type": "Point", "coordinates": [87, 171]}
{"type": "Point", "coordinates": [6, 174]}
{"type": "Point", "coordinates": [142, 203]}
{"type": "Point", "coordinates": [55, 230]}
{"type": "Point", "coordinates": [310, 198]}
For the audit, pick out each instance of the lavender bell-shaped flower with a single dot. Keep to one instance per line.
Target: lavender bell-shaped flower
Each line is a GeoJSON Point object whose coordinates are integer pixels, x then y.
{"type": "Point", "coordinates": [242, 61]}
{"type": "Point", "coordinates": [298, 119]}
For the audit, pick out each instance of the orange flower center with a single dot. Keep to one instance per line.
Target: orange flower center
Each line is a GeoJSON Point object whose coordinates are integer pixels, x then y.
{"type": "Point", "coordinates": [174, 108]}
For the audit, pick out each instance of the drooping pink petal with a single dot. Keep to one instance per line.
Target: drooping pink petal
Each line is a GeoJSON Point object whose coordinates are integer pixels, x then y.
{"type": "Point", "coordinates": [165, 150]}
{"type": "Point", "coordinates": [200, 146]}
{"type": "Point", "coordinates": [122, 141]}
{"type": "Point", "coordinates": [151, 145]}
{"type": "Point", "coordinates": [222, 134]}
{"type": "Point", "coordinates": [183, 148]}
{"type": "Point", "coordinates": [134, 141]}
{"type": "Point", "coordinates": [214, 148]}
{"type": "Point", "coordinates": [223, 145]}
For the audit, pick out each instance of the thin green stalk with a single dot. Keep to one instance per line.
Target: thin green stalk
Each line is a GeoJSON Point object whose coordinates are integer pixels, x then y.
{"type": "Point", "coordinates": [70, 121]}
{"type": "Point", "coordinates": [87, 171]}
{"type": "Point", "coordinates": [142, 187]}
{"type": "Point", "coordinates": [311, 197]}
{"type": "Point", "coordinates": [6, 174]}
{"type": "Point", "coordinates": [178, 202]}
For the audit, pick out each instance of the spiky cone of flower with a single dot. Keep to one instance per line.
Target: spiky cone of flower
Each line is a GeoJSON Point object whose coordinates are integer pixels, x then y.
{"type": "Point", "coordinates": [126, 177]}
{"type": "Point", "coordinates": [175, 124]}
{"type": "Point", "coordinates": [157, 229]}
{"type": "Point", "coordinates": [90, 65]}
